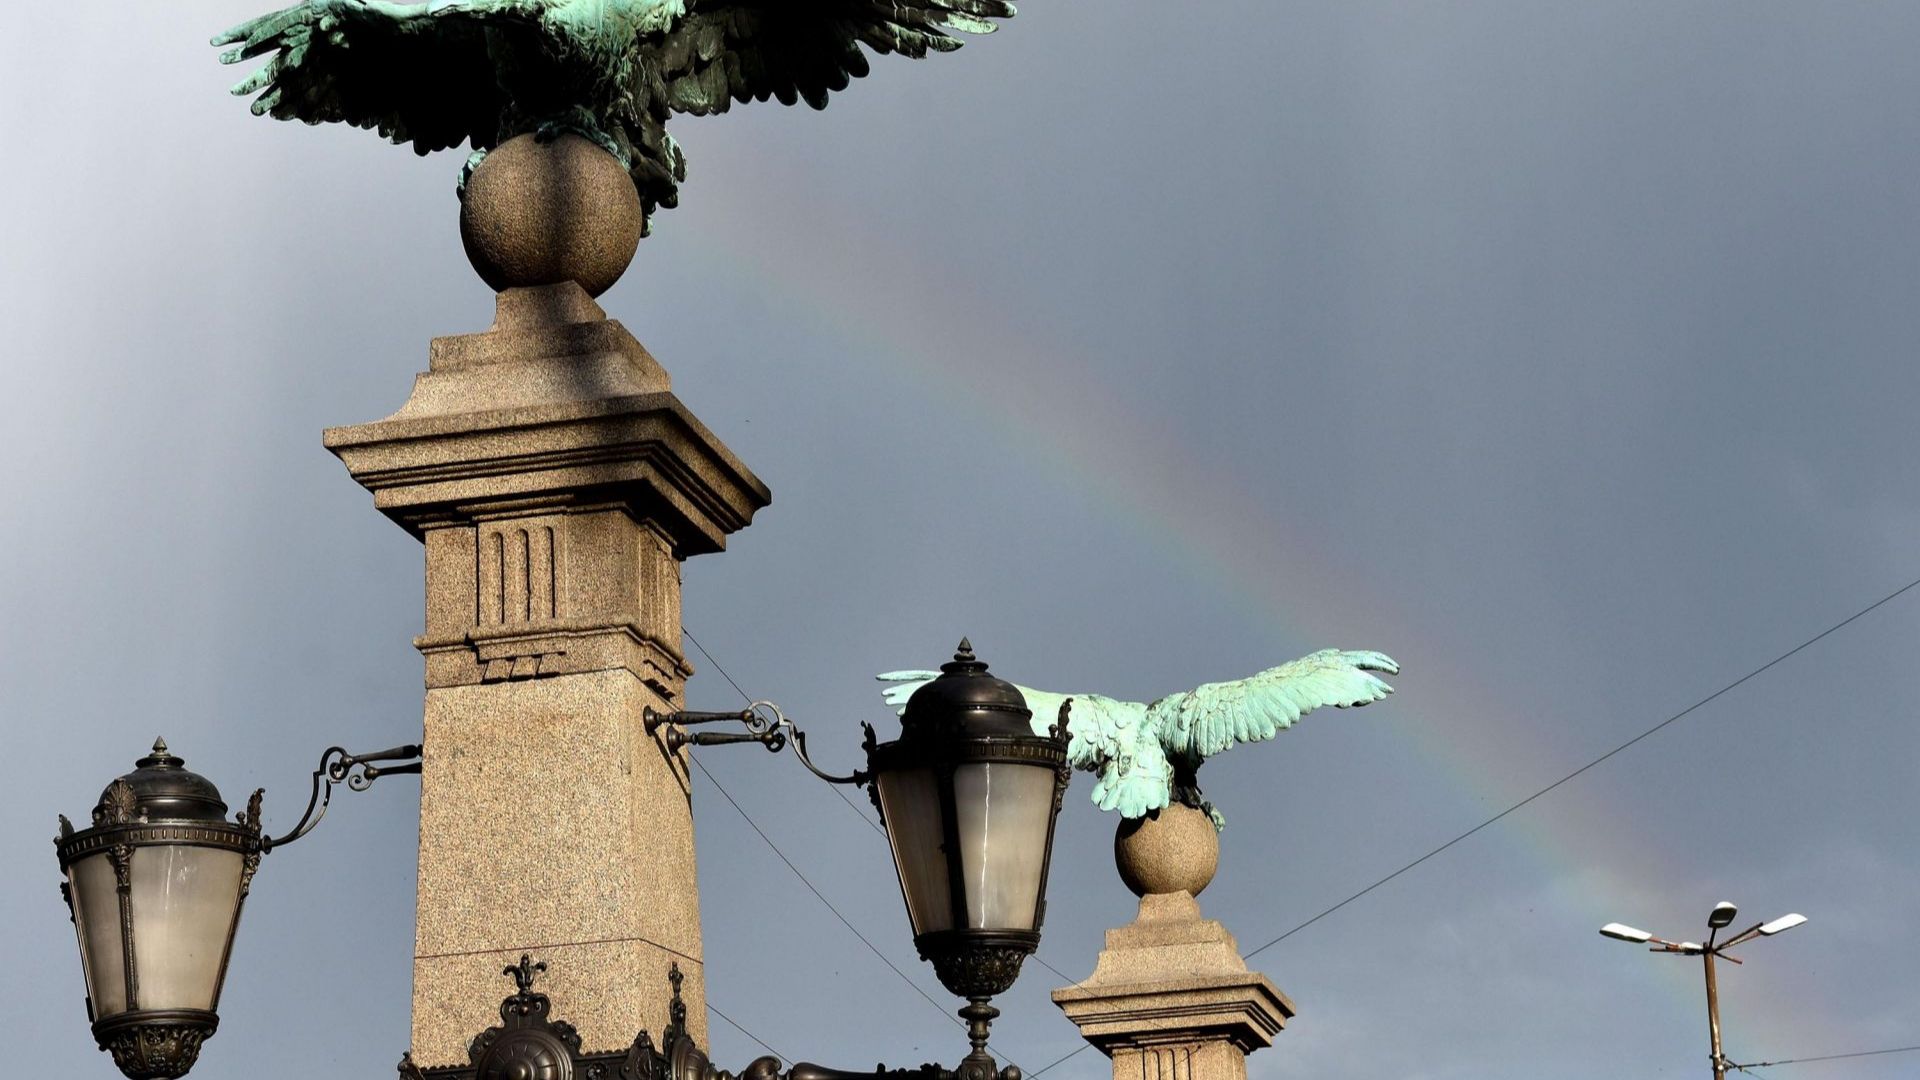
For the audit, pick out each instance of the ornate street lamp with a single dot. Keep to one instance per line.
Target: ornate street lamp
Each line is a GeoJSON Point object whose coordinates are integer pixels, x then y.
{"type": "Point", "coordinates": [155, 889]}
{"type": "Point", "coordinates": [969, 794]}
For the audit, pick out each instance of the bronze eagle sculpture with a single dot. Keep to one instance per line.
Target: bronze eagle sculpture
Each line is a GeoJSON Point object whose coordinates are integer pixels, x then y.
{"type": "Point", "coordinates": [1145, 755]}
{"type": "Point", "coordinates": [479, 72]}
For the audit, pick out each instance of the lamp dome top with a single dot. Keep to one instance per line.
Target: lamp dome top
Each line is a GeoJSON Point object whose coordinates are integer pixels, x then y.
{"type": "Point", "coordinates": [162, 787]}
{"type": "Point", "coordinates": [967, 698]}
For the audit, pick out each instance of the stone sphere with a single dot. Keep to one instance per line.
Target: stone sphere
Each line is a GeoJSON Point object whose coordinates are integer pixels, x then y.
{"type": "Point", "coordinates": [1173, 850]}
{"type": "Point", "coordinates": [541, 213]}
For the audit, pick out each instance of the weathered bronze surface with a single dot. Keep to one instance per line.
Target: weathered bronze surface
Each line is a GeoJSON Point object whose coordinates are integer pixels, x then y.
{"type": "Point", "coordinates": [480, 72]}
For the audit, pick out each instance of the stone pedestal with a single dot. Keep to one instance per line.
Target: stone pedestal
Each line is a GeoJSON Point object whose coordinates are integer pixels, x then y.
{"type": "Point", "coordinates": [1171, 998]}
{"type": "Point", "coordinates": [556, 484]}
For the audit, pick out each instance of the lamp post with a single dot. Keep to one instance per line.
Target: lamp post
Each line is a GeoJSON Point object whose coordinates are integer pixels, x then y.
{"type": "Point", "coordinates": [1719, 919]}
{"type": "Point", "coordinates": [155, 889]}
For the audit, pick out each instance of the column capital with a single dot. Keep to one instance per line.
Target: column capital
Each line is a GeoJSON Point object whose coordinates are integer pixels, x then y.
{"type": "Point", "coordinates": [557, 484]}
{"type": "Point", "coordinates": [1171, 977]}
{"type": "Point", "coordinates": [554, 406]}
{"type": "Point", "coordinates": [1245, 1011]}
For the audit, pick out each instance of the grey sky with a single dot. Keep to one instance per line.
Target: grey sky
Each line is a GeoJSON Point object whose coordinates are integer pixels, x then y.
{"type": "Point", "coordinates": [1563, 351]}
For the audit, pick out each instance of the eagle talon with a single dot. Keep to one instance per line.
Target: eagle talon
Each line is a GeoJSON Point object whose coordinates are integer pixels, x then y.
{"type": "Point", "coordinates": [1190, 796]}
{"type": "Point", "coordinates": [466, 172]}
{"type": "Point", "coordinates": [582, 124]}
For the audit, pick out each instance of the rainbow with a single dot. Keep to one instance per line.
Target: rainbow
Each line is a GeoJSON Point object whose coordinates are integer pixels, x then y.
{"type": "Point", "coordinates": [1150, 487]}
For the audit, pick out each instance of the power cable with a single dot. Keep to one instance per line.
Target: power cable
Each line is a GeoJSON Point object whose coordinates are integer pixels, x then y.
{"type": "Point", "coordinates": [821, 896]}
{"type": "Point", "coordinates": [1831, 1057]}
{"type": "Point", "coordinates": [1769, 665]}
{"type": "Point", "coordinates": [735, 1024]}
{"type": "Point", "coordinates": [1062, 1058]}
{"type": "Point", "coordinates": [857, 812]}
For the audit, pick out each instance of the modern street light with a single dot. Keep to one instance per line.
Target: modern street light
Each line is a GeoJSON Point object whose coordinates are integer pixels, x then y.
{"type": "Point", "coordinates": [1718, 919]}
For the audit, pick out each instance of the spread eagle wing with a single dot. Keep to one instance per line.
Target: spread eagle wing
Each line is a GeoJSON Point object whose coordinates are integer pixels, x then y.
{"type": "Point", "coordinates": [794, 50]}
{"type": "Point", "coordinates": [1114, 740]}
{"type": "Point", "coordinates": [1208, 719]}
{"type": "Point", "coordinates": [415, 73]}
{"type": "Point", "coordinates": [1106, 736]}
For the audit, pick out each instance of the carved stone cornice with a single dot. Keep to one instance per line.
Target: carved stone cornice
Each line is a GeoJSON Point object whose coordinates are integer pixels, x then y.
{"type": "Point", "coordinates": [647, 452]}
{"type": "Point", "coordinates": [557, 484]}
{"type": "Point", "coordinates": [1244, 1010]}
{"type": "Point", "coordinates": [554, 406]}
{"type": "Point", "coordinates": [1174, 979]}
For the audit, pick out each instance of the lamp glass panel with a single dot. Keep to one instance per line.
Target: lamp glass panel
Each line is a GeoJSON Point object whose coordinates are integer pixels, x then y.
{"type": "Point", "coordinates": [96, 916]}
{"type": "Point", "coordinates": [1005, 810]}
{"type": "Point", "coordinates": [185, 899]}
{"type": "Point", "coordinates": [910, 799]}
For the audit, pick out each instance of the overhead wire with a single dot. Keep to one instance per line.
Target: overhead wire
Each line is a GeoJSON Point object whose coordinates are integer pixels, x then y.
{"type": "Point", "coordinates": [1655, 729]}
{"type": "Point", "coordinates": [1829, 1057]}
{"type": "Point", "coordinates": [857, 812]}
{"type": "Point", "coordinates": [735, 1024]}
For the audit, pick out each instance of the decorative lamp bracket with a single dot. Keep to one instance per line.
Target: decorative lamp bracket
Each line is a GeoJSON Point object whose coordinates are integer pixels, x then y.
{"type": "Point", "coordinates": [764, 723]}
{"type": "Point", "coordinates": [357, 771]}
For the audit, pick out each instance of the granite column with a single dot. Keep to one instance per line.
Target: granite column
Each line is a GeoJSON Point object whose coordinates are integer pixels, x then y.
{"type": "Point", "coordinates": [556, 484]}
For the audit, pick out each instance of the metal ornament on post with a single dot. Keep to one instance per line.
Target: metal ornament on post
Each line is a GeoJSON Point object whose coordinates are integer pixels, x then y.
{"type": "Point", "coordinates": [155, 888]}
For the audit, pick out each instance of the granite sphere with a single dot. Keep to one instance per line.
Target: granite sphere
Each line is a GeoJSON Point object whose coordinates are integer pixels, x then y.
{"type": "Point", "coordinates": [1174, 849]}
{"type": "Point", "coordinates": [542, 213]}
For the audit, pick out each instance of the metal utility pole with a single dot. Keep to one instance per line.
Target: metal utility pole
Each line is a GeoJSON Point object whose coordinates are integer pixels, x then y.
{"type": "Point", "coordinates": [1719, 919]}
{"type": "Point", "coordinates": [1713, 1014]}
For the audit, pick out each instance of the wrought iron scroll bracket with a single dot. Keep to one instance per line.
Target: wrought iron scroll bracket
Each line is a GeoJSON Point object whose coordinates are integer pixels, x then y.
{"type": "Point", "coordinates": [764, 723]}
{"type": "Point", "coordinates": [337, 766]}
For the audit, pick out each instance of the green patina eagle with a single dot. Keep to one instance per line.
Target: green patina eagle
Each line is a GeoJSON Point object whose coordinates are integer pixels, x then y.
{"type": "Point", "coordinates": [479, 72]}
{"type": "Point", "coordinates": [1146, 755]}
